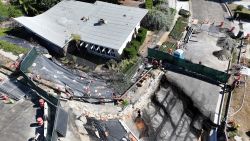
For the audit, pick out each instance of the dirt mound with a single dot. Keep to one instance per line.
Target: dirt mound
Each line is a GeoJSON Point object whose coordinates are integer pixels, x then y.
{"type": "Point", "coordinates": [226, 43]}
{"type": "Point", "coordinates": [223, 54]}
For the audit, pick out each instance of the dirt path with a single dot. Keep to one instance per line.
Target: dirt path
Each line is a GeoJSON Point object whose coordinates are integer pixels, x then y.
{"type": "Point", "coordinates": [132, 3]}
{"type": "Point", "coordinates": [146, 44]}
{"type": "Point", "coordinates": [242, 117]}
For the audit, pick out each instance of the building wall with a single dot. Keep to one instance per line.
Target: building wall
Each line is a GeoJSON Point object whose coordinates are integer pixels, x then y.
{"type": "Point", "coordinates": [114, 53]}
{"type": "Point", "coordinates": [100, 50]}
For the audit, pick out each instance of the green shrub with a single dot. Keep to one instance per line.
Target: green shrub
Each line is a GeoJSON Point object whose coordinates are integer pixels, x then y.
{"type": "Point", "coordinates": [135, 44]}
{"type": "Point", "coordinates": [149, 4]}
{"type": "Point", "coordinates": [179, 28]}
{"type": "Point", "coordinates": [243, 12]}
{"type": "Point", "coordinates": [239, 7]}
{"type": "Point", "coordinates": [3, 31]}
{"type": "Point", "coordinates": [159, 18]}
{"type": "Point", "coordinates": [184, 13]}
{"type": "Point", "coordinates": [8, 11]}
{"type": "Point", "coordinates": [130, 52]}
{"type": "Point", "coordinates": [133, 47]}
{"type": "Point", "coordinates": [125, 103]}
{"type": "Point", "coordinates": [142, 33]}
{"type": "Point", "coordinates": [9, 47]}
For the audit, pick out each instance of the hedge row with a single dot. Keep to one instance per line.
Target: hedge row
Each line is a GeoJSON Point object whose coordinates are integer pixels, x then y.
{"type": "Point", "coordinates": [179, 28]}
{"type": "Point", "coordinates": [133, 47]}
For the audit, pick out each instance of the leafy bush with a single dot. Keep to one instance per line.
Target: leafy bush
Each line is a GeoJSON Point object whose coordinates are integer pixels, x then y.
{"type": "Point", "coordinates": [240, 7]}
{"type": "Point", "coordinates": [130, 52]}
{"type": "Point", "coordinates": [125, 103]}
{"type": "Point", "coordinates": [142, 33]}
{"type": "Point", "coordinates": [8, 11]}
{"type": "Point", "coordinates": [179, 28]}
{"type": "Point", "coordinates": [8, 47]}
{"type": "Point", "coordinates": [160, 17]}
{"type": "Point", "coordinates": [3, 31]}
{"type": "Point", "coordinates": [132, 48]}
{"type": "Point", "coordinates": [184, 13]}
{"type": "Point", "coordinates": [34, 7]}
{"type": "Point", "coordinates": [149, 4]}
{"type": "Point", "coordinates": [126, 64]}
{"type": "Point", "coordinates": [155, 20]}
{"type": "Point", "coordinates": [242, 12]}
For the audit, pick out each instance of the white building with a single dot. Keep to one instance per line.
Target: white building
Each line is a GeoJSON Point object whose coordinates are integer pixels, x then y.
{"type": "Point", "coordinates": [104, 28]}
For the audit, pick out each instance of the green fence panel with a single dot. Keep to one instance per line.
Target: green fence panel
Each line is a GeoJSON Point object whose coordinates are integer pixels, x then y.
{"type": "Point", "coordinates": [28, 60]}
{"type": "Point", "coordinates": [197, 68]}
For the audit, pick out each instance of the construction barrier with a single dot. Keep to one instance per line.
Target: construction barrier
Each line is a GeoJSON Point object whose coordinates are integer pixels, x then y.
{"type": "Point", "coordinates": [185, 64]}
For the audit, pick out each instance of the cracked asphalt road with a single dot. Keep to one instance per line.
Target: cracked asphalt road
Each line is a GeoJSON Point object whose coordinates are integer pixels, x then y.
{"type": "Point", "coordinates": [211, 10]}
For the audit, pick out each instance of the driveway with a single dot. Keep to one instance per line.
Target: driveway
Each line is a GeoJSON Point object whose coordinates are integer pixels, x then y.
{"type": "Point", "coordinates": [211, 10]}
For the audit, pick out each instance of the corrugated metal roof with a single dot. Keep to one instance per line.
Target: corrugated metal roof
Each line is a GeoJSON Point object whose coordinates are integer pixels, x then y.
{"type": "Point", "coordinates": [58, 23]}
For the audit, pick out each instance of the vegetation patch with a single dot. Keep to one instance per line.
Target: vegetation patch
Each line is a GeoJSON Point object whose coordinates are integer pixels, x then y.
{"type": "Point", "coordinates": [3, 31]}
{"type": "Point", "coordinates": [126, 64]}
{"type": "Point", "coordinates": [167, 46]}
{"type": "Point", "coordinates": [133, 47]}
{"type": "Point", "coordinates": [149, 4]}
{"type": "Point", "coordinates": [179, 28]}
{"type": "Point", "coordinates": [160, 17]}
{"type": "Point", "coordinates": [8, 11]}
{"type": "Point", "coordinates": [241, 12]}
{"type": "Point", "coordinates": [9, 47]}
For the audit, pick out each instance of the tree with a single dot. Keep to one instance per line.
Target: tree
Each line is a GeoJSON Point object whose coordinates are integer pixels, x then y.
{"type": "Point", "coordinates": [28, 6]}
{"type": "Point", "coordinates": [34, 7]}
{"type": "Point", "coordinates": [154, 20]}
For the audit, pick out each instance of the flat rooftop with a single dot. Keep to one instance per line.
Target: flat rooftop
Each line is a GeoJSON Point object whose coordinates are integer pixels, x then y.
{"type": "Point", "coordinates": [73, 17]}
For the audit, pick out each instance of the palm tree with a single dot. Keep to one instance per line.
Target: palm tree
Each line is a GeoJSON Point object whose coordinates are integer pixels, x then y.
{"type": "Point", "coordinates": [29, 6]}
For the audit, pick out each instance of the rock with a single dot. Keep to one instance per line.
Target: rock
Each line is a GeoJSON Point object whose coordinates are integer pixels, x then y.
{"type": "Point", "coordinates": [80, 127]}
{"type": "Point", "coordinates": [83, 119]}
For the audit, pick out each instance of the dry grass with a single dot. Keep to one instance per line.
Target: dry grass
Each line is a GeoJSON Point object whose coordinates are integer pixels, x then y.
{"type": "Point", "coordinates": [242, 117]}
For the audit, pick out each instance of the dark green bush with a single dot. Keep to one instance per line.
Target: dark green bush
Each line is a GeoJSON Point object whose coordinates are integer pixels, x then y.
{"type": "Point", "coordinates": [243, 15]}
{"type": "Point", "coordinates": [133, 47]}
{"type": "Point", "coordinates": [184, 13]}
{"type": "Point", "coordinates": [130, 52]}
{"type": "Point", "coordinates": [142, 32]}
{"type": "Point", "coordinates": [239, 7]}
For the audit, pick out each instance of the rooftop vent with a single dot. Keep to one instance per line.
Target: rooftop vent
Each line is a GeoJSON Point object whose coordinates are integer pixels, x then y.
{"type": "Point", "coordinates": [85, 19]}
{"type": "Point", "coordinates": [102, 21]}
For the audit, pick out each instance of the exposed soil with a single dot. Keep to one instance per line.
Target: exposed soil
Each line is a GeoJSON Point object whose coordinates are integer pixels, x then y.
{"type": "Point", "coordinates": [242, 117]}
{"type": "Point", "coordinates": [132, 3]}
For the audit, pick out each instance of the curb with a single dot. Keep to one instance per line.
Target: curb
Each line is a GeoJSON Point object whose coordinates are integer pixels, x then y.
{"type": "Point", "coordinates": [228, 10]}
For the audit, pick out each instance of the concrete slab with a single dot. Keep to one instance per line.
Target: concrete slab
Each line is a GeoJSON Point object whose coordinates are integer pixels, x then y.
{"type": "Point", "coordinates": [200, 49]}
{"type": "Point", "coordinates": [15, 121]}
{"type": "Point", "coordinates": [205, 96]}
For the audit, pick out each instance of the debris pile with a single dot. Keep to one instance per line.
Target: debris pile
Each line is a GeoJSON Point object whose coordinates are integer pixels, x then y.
{"type": "Point", "coordinates": [223, 54]}
{"type": "Point", "coordinates": [228, 45]}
